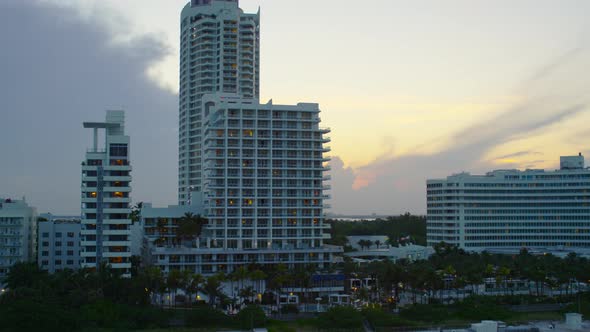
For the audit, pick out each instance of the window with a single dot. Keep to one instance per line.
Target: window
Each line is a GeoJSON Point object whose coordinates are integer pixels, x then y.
{"type": "Point", "coordinates": [118, 150]}
{"type": "Point", "coordinates": [44, 262]}
{"type": "Point", "coordinates": [58, 262]}
{"type": "Point", "coordinates": [45, 253]}
{"type": "Point", "coordinates": [58, 243]}
{"type": "Point", "coordinates": [45, 234]}
{"type": "Point", "coordinates": [70, 234]}
{"type": "Point", "coordinates": [70, 243]}
{"type": "Point", "coordinates": [58, 234]}
{"type": "Point", "coordinates": [70, 253]}
{"type": "Point", "coordinates": [45, 244]}
{"type": "Point", "coordinates": [70, 262]}
{"type": "Point", "coordinates": [58, 253]}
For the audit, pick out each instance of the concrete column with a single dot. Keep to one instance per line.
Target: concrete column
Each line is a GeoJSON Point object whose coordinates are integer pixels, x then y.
{"type": "Point", "coordinates": [95, 142]}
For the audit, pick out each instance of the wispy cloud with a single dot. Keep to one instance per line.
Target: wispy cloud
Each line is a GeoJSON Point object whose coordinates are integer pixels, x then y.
{"type": "Point", "coordinates": [395, 185]}
{"type": "Point", "coordinates": [519, 154]}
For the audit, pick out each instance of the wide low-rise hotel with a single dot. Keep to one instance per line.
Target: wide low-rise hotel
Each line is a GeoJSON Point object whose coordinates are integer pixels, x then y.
{"type": "Point", "coordinates": [512, 209]}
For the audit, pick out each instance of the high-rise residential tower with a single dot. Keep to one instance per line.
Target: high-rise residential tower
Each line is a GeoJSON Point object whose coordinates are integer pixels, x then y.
{"type": "Point", "coordinates": [255, 171]}
{"type": "Point", "coordinates": [106, 185]}
{"type": "Point", "coordinates": [219, 53]}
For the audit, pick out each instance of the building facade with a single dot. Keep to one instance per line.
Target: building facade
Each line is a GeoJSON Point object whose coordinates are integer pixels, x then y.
{"type": "Point", "coordinates": [18, 233]}
{"type": "Point", "coordinates": [106, 188]}
{"type": "Point", "coordinates": [219, 53]}
{"type": "Point", "coordinates": [59, 245]}
{"type": "Point", "coordinates": [512, 209]}
{"type": "Point", "coordinates": [255, 171]}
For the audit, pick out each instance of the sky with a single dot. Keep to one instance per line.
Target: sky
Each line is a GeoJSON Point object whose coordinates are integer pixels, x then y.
{"type": "Point", "coordinates": [411, 89]}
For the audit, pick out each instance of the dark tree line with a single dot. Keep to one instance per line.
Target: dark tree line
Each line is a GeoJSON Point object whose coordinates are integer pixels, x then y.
{"type": "Point", "coordinates": [393, 227]}
{"type": "Point", "coordinates": [452, 268]}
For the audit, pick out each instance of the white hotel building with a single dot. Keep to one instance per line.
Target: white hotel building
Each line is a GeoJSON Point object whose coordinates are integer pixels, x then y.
{"type": "Point", "coordinates": [106, 185]}
{"type": "Point", "coordinates": [255, 171]}
{"type": "Point", "coordinates": [511, 209]}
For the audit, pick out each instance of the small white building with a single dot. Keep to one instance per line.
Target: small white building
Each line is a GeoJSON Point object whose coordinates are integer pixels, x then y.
{"type": "Point", "coordinates": [59, 245]}
{"type": "Point", "coordinates": [160, 246]}
{"type": "Point", "coordinates": [18, 233]}
{"type": "Point", "coordinates": [410, 252]}
{"type": "Point", "coordinates": [382, 250]}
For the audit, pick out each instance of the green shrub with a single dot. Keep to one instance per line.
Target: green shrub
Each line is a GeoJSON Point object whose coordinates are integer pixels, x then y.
{"type": "Point", "coordinates": [289, 309]}
{"type": "Point", "coordinates": [379, 318]}
{"type": "Point", "coordinates": [34, 315]}
{"type": "Point", "coordinates": [477, 308]}
{"type": "Point", "coordinates": [433, 313]}
{"type": "Point", "coordinates": [251, 317]}
{"type": "Point", "coordinates": [340, 317]}
{"type": "Point", "coordinates": [206, 316]}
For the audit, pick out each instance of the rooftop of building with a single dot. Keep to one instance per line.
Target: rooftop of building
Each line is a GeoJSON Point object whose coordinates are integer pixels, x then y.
{"type": "Point", "coordinates": [194, 3]}
{"type": "Point", "coordinates": [568, 164]}
{"type": "Point", "coordinates": [11, 202]}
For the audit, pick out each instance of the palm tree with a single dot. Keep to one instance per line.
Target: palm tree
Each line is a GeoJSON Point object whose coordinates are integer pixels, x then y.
{"type": "Point", "coordinates": [247, 293]}
{"type": "Point", "coordinates": [190, 226]}
{"type": "Point", "coordinates": [258, 276]}
{"type": "Point", "coordinates": [135, 214]}
{"type": "Point", "coordinates": [154, 280]}
{"type": "Point", "coordinates": [240, 274]}
{"type": "Point", "coordinates": [173, 282]}
{"type": "Point", "coordinates": [213, 288]}
{"type": "Point", "coordinates": [194, 285]}
{"type": "Point", "coordinates": [277, 279]}
{"type": "Point", "coordinates": [365, 243]}
{"type": "Point", "coordinates": [362, 244]}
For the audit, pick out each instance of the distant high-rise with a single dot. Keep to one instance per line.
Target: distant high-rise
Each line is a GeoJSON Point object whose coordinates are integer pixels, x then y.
{"type": "Point", "coordinates": [106, 185]}
{"type": "Point", "coordinates": [219, 53]}
{"type": "Point", "coordinates": [512, 209]}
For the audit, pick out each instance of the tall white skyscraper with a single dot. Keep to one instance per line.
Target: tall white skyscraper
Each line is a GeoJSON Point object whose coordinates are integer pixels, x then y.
{"type": "Point", "coordinates": [106, 185]}
{"type": "Point", "coordinates": [219, 53]}
{"type": "Point", "coordinates": [255, 171]}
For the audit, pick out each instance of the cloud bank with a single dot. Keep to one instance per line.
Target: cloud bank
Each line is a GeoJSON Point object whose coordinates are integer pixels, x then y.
{"type": "Point", "coordinates": [58, 70]}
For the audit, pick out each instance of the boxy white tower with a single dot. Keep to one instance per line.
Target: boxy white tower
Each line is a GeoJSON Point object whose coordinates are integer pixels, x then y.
{"type": "Point", "coordinates": [105, 197]}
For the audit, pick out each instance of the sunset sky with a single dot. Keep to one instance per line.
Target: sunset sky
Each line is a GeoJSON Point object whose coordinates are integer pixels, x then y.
{"type": "Point", "coordinates": [411, 89]}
